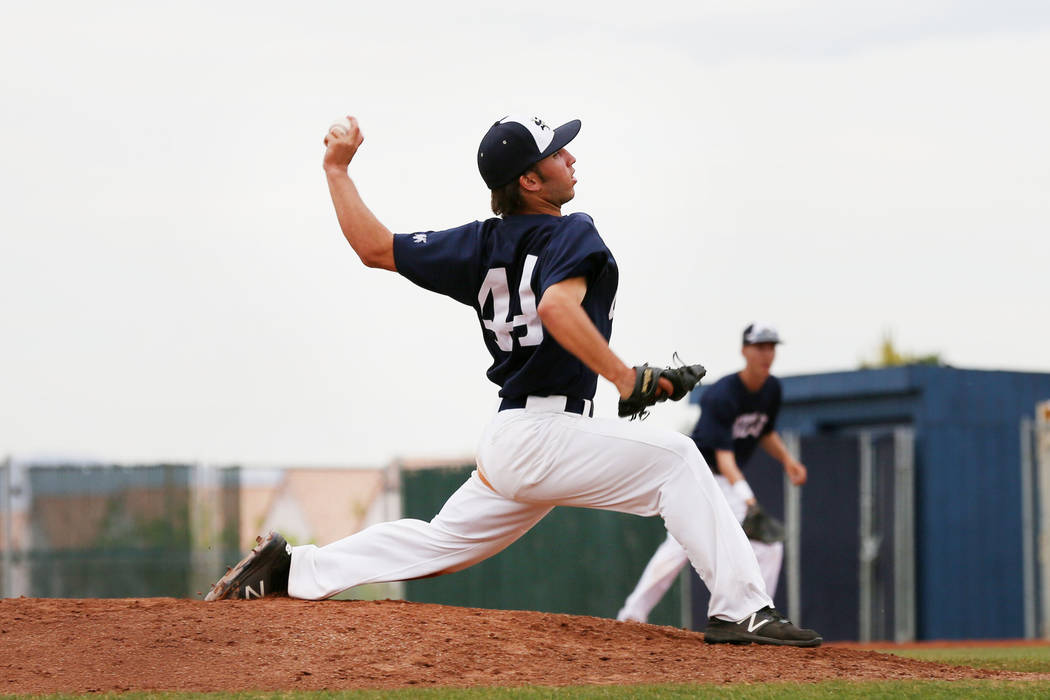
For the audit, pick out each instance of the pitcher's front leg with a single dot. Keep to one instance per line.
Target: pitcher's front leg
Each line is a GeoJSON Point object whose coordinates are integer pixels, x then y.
{"type": "Point", "coordinates": [474, 524]}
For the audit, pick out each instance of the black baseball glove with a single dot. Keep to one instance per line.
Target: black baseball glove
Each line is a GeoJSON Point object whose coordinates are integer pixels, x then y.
{"type": "Point", "coordinates": [759, 525]}
{"type": "Point", "coordinates": [647, 384]}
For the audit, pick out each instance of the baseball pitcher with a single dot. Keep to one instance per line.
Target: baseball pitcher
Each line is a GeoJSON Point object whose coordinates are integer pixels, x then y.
{"type": "Point", "coordinates": [542, 286]}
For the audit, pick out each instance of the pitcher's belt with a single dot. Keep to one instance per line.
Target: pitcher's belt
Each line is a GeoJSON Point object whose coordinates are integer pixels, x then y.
{"type": "Point", "coordinates": [550, 404]}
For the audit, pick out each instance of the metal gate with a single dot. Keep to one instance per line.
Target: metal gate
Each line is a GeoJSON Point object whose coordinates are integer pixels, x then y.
{"type": "Point", "coordinates": [849, 558]}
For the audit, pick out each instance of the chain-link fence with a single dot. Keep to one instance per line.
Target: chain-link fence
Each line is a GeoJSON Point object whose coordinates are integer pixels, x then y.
{"type": "Point", "coordinates": [75, 529]}
{"type": "Point", "coordinates": [97, 530]}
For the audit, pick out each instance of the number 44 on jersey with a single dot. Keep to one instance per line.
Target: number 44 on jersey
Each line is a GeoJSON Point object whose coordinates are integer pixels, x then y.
{"type": "Point", "coordinates": [501, 323]}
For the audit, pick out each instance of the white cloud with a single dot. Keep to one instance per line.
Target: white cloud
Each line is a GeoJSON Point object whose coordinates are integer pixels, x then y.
{"type": "Point", "coordinates": [174, 283]}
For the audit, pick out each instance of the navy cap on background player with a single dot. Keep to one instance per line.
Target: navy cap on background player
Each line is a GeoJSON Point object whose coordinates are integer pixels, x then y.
{"type": "Point", "coordinates": [760, 333]}
{"type": "Point", "coordinates": [514, 143]}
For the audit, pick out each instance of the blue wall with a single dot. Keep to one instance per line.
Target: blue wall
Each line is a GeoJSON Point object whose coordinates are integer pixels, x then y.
{"type": "Point", "coordinates": [968, 480]}
{"type": "Point", "coordinates": [968, 500]}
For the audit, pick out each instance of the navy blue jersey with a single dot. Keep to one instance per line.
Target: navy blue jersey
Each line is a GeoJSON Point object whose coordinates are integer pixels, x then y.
{"type": "Point", "coordinates": [501, 268]}
{"type": "Point", "coordinates": [733, 418]}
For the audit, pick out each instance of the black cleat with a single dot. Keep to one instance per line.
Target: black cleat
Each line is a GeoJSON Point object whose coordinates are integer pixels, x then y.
{"type": "Point", "coordinates": [263, 572]}
{"type": "Point", "coordinates": [766, 626]}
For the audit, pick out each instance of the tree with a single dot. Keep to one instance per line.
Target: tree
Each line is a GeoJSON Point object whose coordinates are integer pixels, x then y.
{"type": "Point", "coordinates": [887, 355]}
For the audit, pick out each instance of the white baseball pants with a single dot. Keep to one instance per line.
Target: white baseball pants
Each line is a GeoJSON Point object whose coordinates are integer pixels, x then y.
{"type": "Point", "coordinates": [535, 458]}
{"type": "Point", "coordinates": [670, 557]}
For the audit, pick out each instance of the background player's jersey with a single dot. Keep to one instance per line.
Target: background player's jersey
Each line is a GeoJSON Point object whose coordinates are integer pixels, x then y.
{"type": "Point", "coordinates": [733, 418]}
{"type": "Point", "coordinates": [501, 268]}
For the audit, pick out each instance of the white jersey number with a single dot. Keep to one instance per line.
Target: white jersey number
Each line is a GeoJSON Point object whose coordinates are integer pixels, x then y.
{"type": "Point", "coordinates": [501, 323]}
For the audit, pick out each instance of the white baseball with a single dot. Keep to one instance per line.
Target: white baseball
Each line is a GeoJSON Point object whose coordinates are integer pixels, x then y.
{"type": "Point", "coordinates": [340, 126]}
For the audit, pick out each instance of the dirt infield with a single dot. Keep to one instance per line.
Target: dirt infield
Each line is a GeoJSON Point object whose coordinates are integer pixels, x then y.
{"type": "Point", "coordinates": [62, 645]}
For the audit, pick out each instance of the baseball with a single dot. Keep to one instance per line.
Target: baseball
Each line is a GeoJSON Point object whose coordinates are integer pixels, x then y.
{"type": "Point", "coordinates": [340, 126]}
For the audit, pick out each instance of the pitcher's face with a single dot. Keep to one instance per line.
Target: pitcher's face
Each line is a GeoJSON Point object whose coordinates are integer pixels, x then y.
{"type": "Point", "coordinates": [558, 177]}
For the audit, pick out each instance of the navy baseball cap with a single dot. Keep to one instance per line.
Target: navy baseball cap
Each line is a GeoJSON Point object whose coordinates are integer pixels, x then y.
{"type": "Point", "coordinates": [514, 143]}
{"type": "Point", "coordinates": [760, 333]}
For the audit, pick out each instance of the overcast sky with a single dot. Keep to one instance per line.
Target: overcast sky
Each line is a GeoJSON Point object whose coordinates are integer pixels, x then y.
{"type": "Point", "coordinates": [174, 284]}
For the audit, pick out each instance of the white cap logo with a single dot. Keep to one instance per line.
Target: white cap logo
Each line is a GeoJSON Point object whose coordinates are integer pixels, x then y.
{"type": "Point", "coordinates": [759, 332]}
{"type": "Point", "coordinates": [541, 133]}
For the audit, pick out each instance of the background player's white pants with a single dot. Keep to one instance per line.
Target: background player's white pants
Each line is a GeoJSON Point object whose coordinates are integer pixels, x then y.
{"type": "Point", "coordinates": [536, 458]}
{"type": "Point", "coordinates": [669, 559]}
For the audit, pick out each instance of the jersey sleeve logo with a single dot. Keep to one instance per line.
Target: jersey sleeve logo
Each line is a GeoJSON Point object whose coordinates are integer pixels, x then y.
{"type": "Point", "coordinates": [501, 323]}
{"type": "Point", "coordinates": [419, 238]}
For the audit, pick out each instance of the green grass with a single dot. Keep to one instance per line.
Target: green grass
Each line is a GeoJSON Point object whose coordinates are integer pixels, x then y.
{"type": "Point", "coordinates": [1028, 659]}
{"type": "Point", "coordinates": [1025, 659]}
{"type": "Point", "coordinates": [759, 691]}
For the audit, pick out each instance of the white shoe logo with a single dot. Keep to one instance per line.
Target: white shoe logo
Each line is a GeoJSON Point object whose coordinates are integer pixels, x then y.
{"type": "Point", "coordinates": [249, 591]}
{"type": "Point", "coordinates": [751, 626]}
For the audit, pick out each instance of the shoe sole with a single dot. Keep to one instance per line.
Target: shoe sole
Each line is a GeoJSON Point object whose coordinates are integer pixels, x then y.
{"type": "Point", "coordinates": [738, 638]}
{"type": "Point", "coordinates": [221, 589]}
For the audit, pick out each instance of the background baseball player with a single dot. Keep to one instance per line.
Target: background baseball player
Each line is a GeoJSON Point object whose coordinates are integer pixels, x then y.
{"type": "Point", "coordinates": [737, 413]}
{"type": "Point", "coordinates": [543, 287]}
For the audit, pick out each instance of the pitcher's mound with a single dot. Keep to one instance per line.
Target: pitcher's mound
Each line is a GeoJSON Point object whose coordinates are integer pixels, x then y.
{"type": "Point", "coordinates": [100, 645]}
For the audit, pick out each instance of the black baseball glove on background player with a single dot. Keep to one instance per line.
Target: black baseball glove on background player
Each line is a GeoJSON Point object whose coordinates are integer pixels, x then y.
{"type": "Point", "coordinates": [761, 526]}
{"type": "Point", "coordinates": [647, 387]}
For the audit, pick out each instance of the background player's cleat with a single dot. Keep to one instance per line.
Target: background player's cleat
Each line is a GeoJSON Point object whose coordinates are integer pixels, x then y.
{"type": "Point", "coordinates": [263, 572]}
{"type": "Point", "coordinates": [766, 626]}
